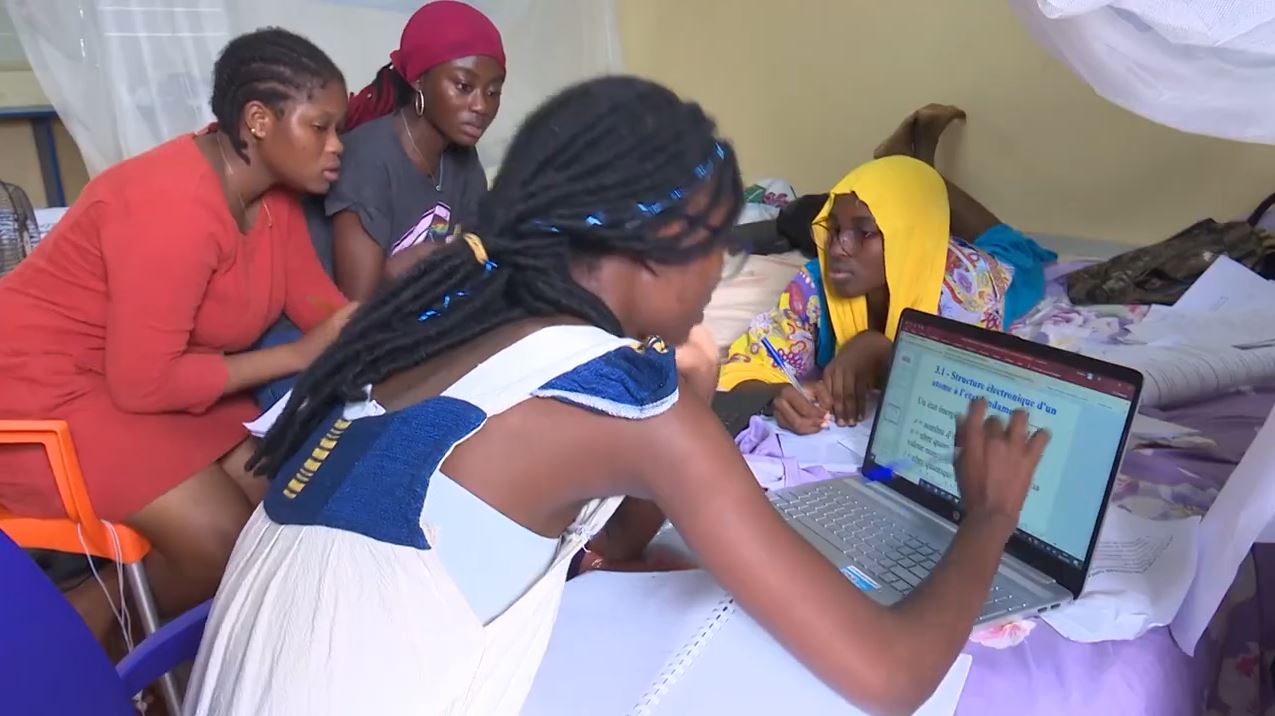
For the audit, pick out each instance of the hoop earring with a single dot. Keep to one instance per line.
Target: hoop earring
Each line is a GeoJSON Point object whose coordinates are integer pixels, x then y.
{"type": "Point", "coordinates": [418, 103]}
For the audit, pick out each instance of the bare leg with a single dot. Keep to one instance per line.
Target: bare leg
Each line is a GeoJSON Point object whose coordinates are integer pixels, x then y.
{"type": "Point", "coordinates": [918, 136]}
{"type": "Point", "coordinates": [192, 529]}
{"type": "Point", "coordinates": [88, 598]}
{"type": "Point", "coordinates": [235, 463]}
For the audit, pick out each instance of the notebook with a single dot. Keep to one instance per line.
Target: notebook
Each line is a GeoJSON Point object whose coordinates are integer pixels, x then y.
{"type": "Point", "coordinates": [674, 643]}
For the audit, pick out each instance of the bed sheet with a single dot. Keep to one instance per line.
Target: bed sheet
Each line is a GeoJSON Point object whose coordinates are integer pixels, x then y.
{"type": "Point", "coordinates": [1229, 675]}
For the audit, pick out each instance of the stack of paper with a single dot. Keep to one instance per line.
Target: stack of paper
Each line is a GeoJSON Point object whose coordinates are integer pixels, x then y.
{"type": "Point", "coordinates": [1140, 574]}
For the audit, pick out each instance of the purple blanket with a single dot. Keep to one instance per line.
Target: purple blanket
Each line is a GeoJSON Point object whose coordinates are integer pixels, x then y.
{"type": "Point", "coordinates": [1027, 668]}
{"type": "Point", "coordinates": [1030, 669]}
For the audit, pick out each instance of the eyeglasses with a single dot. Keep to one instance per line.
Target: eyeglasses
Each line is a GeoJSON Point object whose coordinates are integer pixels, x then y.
{"type": "Point", "coordinates": [849, 239]}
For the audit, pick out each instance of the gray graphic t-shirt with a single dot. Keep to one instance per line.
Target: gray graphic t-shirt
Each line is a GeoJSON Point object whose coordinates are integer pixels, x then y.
{"type": "Point", "coordinates": [398, 204]}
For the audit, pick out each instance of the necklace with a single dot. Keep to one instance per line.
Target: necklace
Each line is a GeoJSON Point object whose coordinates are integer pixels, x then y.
{"type": "Point", "coordinates": [438, 185]}
{"type": "Point", "coordinates": [230, 172]}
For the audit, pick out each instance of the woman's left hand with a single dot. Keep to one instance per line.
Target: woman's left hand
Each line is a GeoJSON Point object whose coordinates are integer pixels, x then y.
{"type": "Point", "coordinates": [861, 364]}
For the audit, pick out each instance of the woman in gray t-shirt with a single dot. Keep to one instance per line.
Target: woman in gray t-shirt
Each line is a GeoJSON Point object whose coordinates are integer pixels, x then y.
{"type": "Point", "coordinates": [411, 174]}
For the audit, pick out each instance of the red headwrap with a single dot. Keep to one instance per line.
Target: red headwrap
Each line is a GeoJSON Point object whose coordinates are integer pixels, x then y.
{"type": "Point", "coordinates": [438, 32]}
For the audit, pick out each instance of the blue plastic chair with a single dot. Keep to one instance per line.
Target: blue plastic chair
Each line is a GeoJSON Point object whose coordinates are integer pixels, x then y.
{"type": "Point", "coordinates": [50, 664]}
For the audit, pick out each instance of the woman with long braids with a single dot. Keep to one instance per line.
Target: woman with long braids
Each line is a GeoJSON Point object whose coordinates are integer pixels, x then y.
{"type": "Point", "coordinates": [436, 469]}
{"type": "Point", "coordinates": [132, 319]}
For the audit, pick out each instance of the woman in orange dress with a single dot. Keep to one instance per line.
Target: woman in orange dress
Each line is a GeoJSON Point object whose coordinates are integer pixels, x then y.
{"type": "Point", "coordinates": [132, 319]}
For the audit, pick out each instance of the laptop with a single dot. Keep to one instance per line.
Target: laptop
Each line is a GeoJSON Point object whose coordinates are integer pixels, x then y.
{"type": "Point", "coordinates": [886, 536]}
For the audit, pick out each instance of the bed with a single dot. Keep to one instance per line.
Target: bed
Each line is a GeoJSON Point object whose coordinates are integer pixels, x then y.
{"type": "Point", "coordinates": [1026, 667]}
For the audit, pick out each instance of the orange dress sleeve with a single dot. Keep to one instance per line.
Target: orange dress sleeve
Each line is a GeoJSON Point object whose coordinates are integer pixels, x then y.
{"type": "Point", "coordinates": [158, 265]}
{"type": "Point", "coordinates": [310, 296]}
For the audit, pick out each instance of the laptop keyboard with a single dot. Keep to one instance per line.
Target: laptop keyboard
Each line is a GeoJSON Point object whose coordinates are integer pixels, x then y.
{"type": "Point", "coordinates": [876, 541]}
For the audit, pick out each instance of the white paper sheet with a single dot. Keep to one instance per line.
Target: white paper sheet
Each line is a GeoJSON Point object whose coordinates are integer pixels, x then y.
{"type": "Point", "coordinates": [743, 670]}
{"type": "Point", "coordinates": [262, 423]}
{"type": "Point", "coordinates": [1242, 511]}
{"type": "Point", "coordinates": [616, 633]}
{"type": "Point", "coordinates": [1225, 285]}
{"type": "Point", "coordinates": [1237, 327]}
{"type": "Point", "coordinates": [840, 450]}
{"type": "Point", "coordinates": [46, 218]}
{"type": "Point", "coordinates": [1140, 574]}
{"type": "Point", "coordinates": [1228, 305]}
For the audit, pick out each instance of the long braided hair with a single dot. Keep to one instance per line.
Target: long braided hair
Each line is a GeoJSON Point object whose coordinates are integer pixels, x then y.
{"type": "Point", "coordinates": [271, 66]}
{"type": "Point", "coordinates": [598, 169]}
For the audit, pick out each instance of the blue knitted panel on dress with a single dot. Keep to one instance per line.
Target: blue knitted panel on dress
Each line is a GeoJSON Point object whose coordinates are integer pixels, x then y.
{"type": "Point", "coordinates": [629, 382]}
{"type": "Point", "coordinates": [374, 478]}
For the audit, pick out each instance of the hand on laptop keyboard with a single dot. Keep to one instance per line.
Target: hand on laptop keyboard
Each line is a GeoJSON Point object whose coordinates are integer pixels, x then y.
{"type": "Point", "coordinates": [995, 462]}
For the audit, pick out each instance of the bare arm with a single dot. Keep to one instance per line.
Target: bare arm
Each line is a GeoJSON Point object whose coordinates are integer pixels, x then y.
{"type": "Point", "coordinates": [360, 264]}
{"type": "Point", "coordinates": [629, 531]}
{"type": "Point", "coordinates": [254, 368]}
{"type": "Point", "coordinates": [357, 260]}
{"type": "Point", "coordinates": [888, 660]}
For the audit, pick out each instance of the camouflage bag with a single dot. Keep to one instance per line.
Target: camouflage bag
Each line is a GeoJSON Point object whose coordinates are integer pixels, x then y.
{"type": "Point", "coordinates": [1162, 272]}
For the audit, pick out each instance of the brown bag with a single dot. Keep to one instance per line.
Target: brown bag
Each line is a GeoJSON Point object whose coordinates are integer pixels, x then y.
{"type": "Point", "coordinates": [1162, 272]}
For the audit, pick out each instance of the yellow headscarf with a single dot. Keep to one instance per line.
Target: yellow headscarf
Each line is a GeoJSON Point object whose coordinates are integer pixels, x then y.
{"type": "Point", "coordinates": [908, 199]}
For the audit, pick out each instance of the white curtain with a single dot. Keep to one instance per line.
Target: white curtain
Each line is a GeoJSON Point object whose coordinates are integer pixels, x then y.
{"type": "Point", "coordinates": [123, 74]}
{"type": "Point", "coordinates": [1201, 66]}
{"type": "Point", "coordinates": [127, 74]}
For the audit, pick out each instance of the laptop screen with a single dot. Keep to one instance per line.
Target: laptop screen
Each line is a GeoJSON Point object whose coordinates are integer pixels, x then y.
{"type": "Point", "coordinates": [939, 366]}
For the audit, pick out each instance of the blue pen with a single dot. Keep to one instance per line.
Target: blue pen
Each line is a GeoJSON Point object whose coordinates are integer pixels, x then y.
{"type": "Point", "coordinates": [787, 370]}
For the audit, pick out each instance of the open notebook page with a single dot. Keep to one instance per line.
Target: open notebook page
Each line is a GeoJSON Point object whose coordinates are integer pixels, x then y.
{"type": "Point", "coordinates": [673, 643]}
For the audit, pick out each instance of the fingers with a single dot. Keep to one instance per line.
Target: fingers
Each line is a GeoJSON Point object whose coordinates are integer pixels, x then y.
{"type": "Point", "coordinates": [793, 412]}
{"type": "Point", "coordinates": [832, 381]}
{"type": "Point", "coordinates": [969, 431]}
{"type": "Point", "coordinates": [823, 397]}
{"type": "Point", "coordinates": [344, 313]}
{"type": "Point", "coordinates": [993, 428]}
{"type": "Point", "coordinates": [1036, 446]}
{"type": "Point", "coordinates": [1017, 431]}
{"type": "Point", "coordinates": [861, 385]}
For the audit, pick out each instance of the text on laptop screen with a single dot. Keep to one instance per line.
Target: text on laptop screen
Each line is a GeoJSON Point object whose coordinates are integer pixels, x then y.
{"type": "Point", "coordinates": [935, 375]}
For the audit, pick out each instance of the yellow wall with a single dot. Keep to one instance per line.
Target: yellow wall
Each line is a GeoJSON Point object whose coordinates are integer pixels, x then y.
{"type": "Point", "coordinates": [807, 88]}
{"type": "Point", "coordinates": [794, 85]}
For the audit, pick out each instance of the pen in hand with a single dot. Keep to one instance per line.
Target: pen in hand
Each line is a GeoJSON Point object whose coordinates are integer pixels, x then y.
{"type": "Point", "coordinates": [787, 370]}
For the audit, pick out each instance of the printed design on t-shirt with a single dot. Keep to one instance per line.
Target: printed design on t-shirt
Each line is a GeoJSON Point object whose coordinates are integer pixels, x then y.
{"type": "Point", "coordinates": [434, 225]}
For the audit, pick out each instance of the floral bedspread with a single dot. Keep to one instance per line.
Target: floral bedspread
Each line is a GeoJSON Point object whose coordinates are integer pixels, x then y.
{"type": "Point", "coordinates": [1026, 667]}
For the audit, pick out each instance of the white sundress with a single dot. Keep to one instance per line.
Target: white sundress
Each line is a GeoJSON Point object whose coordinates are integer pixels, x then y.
{"type": "Point", "coordinates": [337, 599]}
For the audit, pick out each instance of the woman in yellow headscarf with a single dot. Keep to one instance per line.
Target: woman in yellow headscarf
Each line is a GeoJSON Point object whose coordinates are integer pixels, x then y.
{"type": "Point", "coordinates": [884, 239]}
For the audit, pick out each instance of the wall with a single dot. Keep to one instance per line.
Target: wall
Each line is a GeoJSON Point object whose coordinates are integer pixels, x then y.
{"type": "Point", "coordinates": [19, 163]}
{"type": "Point", "coordinates": [807, 88]}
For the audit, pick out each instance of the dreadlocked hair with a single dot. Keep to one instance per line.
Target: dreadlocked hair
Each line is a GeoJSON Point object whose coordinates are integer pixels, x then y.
{"type": "Point", "coordinates": [598, 169]}
{"type": "Point", "coordinates": [387, 92]}
{"type": "Point", "coordinates": [271, 66]}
